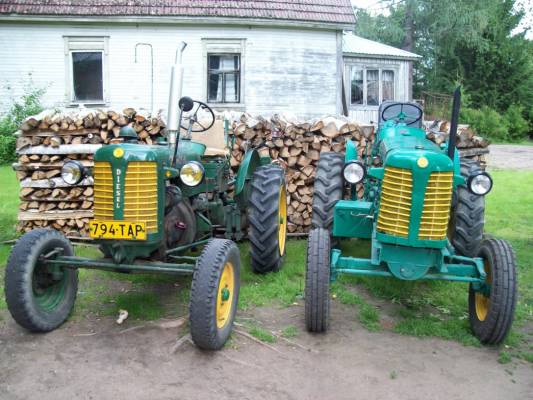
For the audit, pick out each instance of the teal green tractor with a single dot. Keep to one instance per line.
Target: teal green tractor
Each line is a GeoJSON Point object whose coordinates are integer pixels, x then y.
{"type": "Point", "coordinates": [154, 208]}
{"type": "Point", "coordinates": [422, 211]}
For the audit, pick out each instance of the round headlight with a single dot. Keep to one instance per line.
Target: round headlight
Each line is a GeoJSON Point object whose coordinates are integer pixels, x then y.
{"type": "Point", "coordinates": [192, 173]}
{"type": "Point", "coordinates": [354, 172]}
{"type": "Point", "coordinates": [72, 172]}
{"type": "Point", "coordinates": [480, 184]}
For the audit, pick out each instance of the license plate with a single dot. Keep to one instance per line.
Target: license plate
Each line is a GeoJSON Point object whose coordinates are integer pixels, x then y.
{"type": "Point", "coordinates": [117, 230]}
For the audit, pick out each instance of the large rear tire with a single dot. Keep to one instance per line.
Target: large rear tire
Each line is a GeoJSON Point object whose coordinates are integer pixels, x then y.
{"type": "Point", "coordinates": [491, 314]}
{"type": "Point", "coordinates": [328, 188]}
{"type": "Point", "coordinates": [39, 298]}
{"type": "Point", "coordinates": [468, 215]}
{"type": "Point", "coordinates": [214, 294]}
{"type": "Point", "coordinates": [317, 277]}
{"type": "Point", "coordinates": [267, 214]}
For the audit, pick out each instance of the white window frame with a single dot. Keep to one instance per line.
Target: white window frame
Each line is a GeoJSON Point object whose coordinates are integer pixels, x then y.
{"type": "Point", "coordinates": [92, 44]}
{"type": "Point", "coordinates": [221, 46]}
{"type": "Point", "coordinates": [369, 66]}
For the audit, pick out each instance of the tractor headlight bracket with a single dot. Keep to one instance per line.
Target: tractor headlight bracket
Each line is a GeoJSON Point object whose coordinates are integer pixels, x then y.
{"type": "Point", "coordinates": [354, 172]}
{"type": "Point", "coordinates": [479, 184]}
{"type": "Point", "coordinates": [192, 173]}
{"type": "Point", "coordinates": [73, 172]}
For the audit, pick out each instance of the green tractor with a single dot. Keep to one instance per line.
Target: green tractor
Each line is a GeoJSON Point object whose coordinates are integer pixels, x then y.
{"type": "Point", "coordinates": [153, 207]}
{"type": "Point", "coordinates": [423, 212]}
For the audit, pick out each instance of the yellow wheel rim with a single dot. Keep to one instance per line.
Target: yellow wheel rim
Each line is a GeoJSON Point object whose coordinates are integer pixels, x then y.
{"type": "Point", "coordinates": [226, 287]}
{"type": "Point", "coordinates": [482, 301]}
{"type": "Point", "coordinates": [282, 219]}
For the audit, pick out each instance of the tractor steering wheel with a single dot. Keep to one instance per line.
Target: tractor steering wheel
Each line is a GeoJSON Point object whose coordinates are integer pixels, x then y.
{"type": "Point", "coordinates": [187, 104]}
{"type": "Point", "coordinates": [408, 119]}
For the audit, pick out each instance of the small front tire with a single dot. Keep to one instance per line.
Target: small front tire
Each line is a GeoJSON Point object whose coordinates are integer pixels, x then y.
{"type": "Point", "coordinates": [39, 298]}
{"type": "Point", "coordinates": [214, 294]}
{"type": "Point", "coordinates": [317, 278]}
{"type": "Point", "coordinates": [491, 316]}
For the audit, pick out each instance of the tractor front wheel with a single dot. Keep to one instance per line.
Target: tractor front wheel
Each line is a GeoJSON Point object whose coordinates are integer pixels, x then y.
{"type": "Point", "coordinates": [317, 281]}
{"type": "Point", "coordinates": [214, 294]}
{"type": "Point", "coordinates": [491, 310]}
{"type": "Point", "coordinates": [267, 215]}
{"type": "Point", "coordinates": [329, 185]}
{"type": "Point", "coordinates": [39, 297]}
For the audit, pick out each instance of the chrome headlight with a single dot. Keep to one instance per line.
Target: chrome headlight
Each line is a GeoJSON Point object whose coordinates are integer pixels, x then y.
{"type": "Point", "coordinates": [480, 184]}
{"type": "Point", "coordinates": [192, 173]}
{"type": "Point", "coordinates": [354, 172]}
{"type": "Point", "coordinates": [72, 172]}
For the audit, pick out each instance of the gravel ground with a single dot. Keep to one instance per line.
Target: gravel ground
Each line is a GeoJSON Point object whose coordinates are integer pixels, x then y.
{"type": "Point", "coordinates": [504, 156]}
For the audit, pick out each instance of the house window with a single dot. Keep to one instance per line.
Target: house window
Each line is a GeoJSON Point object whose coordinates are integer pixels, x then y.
{"type": "Point", "coordinates": [223, 78]}
{"type": "Point", "coordinates": [86, 66]}
{"type": "Point", "coordinates": [371, 86]}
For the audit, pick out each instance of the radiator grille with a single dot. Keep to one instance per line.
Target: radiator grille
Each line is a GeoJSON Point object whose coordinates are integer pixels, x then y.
{"type": "Point", "coordinates": [140, 194]}
{"type": "Point", "coordinates": [103, 191]}
{"type": "Point", "coordinates": [395, 206]}
{"type": "Point", "coordinates": [436, 212]}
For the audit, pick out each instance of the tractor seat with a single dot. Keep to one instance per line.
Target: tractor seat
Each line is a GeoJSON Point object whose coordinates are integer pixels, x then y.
{"type": "Point", "coordinates": [213, 139]}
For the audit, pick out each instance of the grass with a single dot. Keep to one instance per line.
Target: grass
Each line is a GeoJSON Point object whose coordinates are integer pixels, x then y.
{"type": "Point", "coordinates": [262, 334]}
{"type": "Point", "coordinates": [417, 308]}
{"type": "Point", "coordinates": [289, 332]}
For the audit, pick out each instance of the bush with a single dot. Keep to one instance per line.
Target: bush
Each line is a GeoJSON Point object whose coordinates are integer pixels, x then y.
{"type": "Point", "coordinates": [7, 149]}
{"type": "Point", "coordinates": [518, 126]}
{"type": "Point", "coordinates": [486, 122]}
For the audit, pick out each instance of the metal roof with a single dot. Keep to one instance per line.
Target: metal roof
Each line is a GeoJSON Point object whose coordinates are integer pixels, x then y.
{"type": "Point", "coordinates": [316, 11]}
{"type": "Point", "coordinates": [357, 46]}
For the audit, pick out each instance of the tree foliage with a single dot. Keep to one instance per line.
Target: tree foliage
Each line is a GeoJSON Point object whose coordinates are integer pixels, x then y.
{"type": "Point", "coordinates": [471, 42]}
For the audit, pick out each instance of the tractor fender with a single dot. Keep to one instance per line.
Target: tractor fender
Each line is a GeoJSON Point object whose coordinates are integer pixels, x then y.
{"type": "Point", "coordinates": [250, 162]}
{"type": "Point", "coordinates": [351, 151]}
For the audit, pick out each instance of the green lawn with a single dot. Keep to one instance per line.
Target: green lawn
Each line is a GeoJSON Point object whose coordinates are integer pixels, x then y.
{"type": "Point", "coordinates": [415, 308]}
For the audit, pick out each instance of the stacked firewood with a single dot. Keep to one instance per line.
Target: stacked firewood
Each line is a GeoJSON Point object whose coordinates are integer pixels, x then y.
{"type": "Point", "coordinates": [297, 145]}
{"type": "Point", "coordinates": [48, 140]}
{"type": "Point", "coordinates": [468, 143]}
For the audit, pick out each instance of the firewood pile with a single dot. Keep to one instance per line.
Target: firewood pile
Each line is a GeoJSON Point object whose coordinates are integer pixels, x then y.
{"type": "Point", "coordinates": [297, 145]}
{"type": "Point", "coordinates": [48, 140]}
{"type": "Point", "coordinates": [468, 143]}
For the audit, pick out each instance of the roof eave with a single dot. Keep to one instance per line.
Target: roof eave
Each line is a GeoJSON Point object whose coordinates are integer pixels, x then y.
{"type": "Point", "coordinates": [149, 19]}
{"type": "Point", "coordinates": [392, 57]}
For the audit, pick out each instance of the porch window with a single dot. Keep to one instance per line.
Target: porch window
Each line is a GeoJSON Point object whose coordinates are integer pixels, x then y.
{"type": "Point", "coordinates": [224, 78]}
{"type": "Point", "coordinates": [371, 86]}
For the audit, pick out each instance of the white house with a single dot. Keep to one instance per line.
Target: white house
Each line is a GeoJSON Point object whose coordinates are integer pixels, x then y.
{"type": "Point", "coordinates": [260, 56]}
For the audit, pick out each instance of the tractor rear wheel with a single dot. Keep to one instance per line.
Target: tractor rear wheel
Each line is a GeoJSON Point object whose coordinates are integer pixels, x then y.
{"type": "Point", "coordinates": [267, 215]}
{"type": "Point", "coordinates": [329, 185]}
{"type": "Point", "coordinates": [468, 215]}
{"type": "Point", "coordinates": [214, 294]}
{"type": "Point", "coordinates": [491, 312]}
{"type": "Point", "coordinates": [317, 281]}
{"type": "Point", "coordinates": [40, 298]}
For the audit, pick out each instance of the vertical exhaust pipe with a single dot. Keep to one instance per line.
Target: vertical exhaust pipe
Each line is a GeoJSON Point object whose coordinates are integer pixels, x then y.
{"type": "Point", "coordinates": [454, 122]}
{"type": "Point", "coordinates": [174, 112]}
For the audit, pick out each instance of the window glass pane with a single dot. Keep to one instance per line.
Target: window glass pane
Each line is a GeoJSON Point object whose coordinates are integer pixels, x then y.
{"type": "Point", "coordinates": [372, 87]}
{"type": "Point", "coordinates": [231, 87]}
{"type": "Point", "coordinates": [356, 85]}
{"type": "Point", "coordinates": [387, 84]}
{"type": "Point", "coordinates": [87, 76]}
{"type": "Point", "coordinates": [214, 92]}
{"type": "Point", "coordinates": [214, 62]}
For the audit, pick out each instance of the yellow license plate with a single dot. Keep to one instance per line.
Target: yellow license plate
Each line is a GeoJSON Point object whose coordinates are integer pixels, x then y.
{"type": "Point", "coordinates": [117, 230]}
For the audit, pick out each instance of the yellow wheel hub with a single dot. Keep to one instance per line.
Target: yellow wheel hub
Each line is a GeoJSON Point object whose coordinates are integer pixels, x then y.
{"type": "Point", "coordinates": [226, 287]}
{"type": "Point", "coordinates": [282, 219]}
{"type": "Point", "coordinates": [482, 301]}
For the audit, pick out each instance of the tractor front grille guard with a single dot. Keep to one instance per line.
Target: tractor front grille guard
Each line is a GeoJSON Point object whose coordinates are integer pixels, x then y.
{"type": "Point", "coordinates": [396, 203]}
{"type": "Point", "coordinates": [140, 193]}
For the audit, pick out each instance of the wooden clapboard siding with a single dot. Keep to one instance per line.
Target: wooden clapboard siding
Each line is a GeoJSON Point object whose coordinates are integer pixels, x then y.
{"type": "Point", "coordinates": [284, 69]}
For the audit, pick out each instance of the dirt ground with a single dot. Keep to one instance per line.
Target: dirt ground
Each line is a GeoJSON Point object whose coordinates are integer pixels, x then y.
{"type": "Point", "coordinates": [99, 359]}
{"type": "Point", "coordinates": [503, 156]}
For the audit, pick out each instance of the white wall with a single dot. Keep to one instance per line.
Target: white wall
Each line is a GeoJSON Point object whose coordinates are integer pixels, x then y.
{"type": "Point", "coordinates": [285, 69]}
{"type": "Point", "coordinates": [369, 114]}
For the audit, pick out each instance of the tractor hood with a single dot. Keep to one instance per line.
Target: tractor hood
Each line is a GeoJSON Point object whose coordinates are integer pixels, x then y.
{"type": "Point", "coordinates": [126, 152]}
{"type": "Point", "coordinates": [403, 147]}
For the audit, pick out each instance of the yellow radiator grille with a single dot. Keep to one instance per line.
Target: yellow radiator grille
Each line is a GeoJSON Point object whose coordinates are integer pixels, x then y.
{"type": "Point", "coordinates": [103, 191]}
{"type": "Point", "coordinates": [395, 207]}
{"type": "Point", "coordinates": [140, 196]}
{"type": "Point", "coordinates": [436, 212]}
